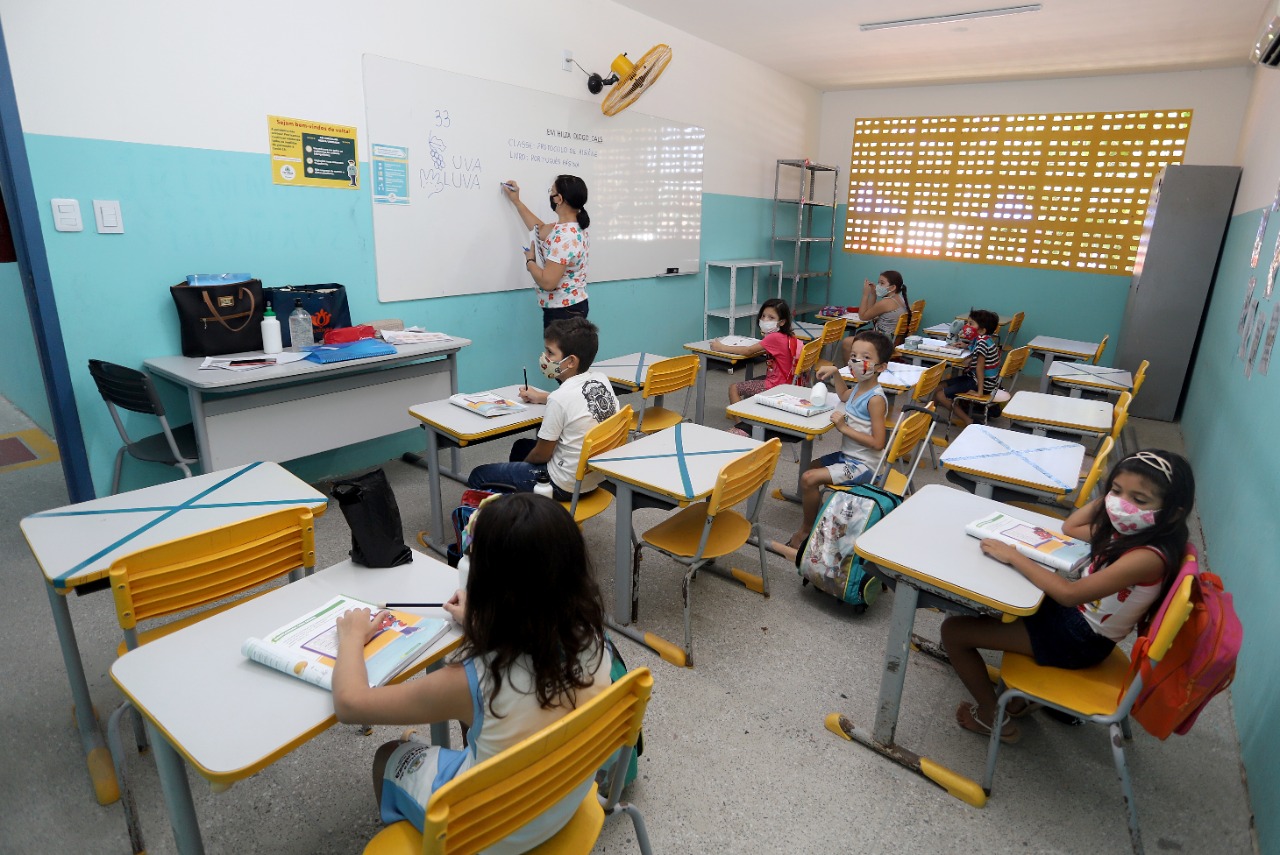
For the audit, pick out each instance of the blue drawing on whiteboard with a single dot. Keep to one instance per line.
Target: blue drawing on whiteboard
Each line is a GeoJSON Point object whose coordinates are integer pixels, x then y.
{"type": "Point", "coordinates": [438, 149]}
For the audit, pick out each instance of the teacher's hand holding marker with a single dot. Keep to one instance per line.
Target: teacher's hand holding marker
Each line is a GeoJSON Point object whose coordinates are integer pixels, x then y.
{"type": "Point", "coordinates": [562, 279]}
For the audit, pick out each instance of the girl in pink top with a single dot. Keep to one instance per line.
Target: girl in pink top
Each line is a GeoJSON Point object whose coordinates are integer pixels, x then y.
{"type": "Point", "coordinates": [778, 343]}
{"type": "Point", "coordinates": [1137, 531]}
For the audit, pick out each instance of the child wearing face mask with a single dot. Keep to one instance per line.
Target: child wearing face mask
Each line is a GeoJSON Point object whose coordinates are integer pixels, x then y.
{"type": "Point", "coordinates": [860, 424]}
{"type": "Point", "coordinates": [777, 342]}
{"type": "Point", "coordinates": [883, 302]}
{"type": "Point", "coordinates": [1137, 531]}
{"type": "Point", "coordinates": [584, 399]}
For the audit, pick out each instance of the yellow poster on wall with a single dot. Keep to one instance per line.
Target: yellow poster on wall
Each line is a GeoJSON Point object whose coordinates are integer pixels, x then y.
{"type": "Point", "coordinates": [313, 154]}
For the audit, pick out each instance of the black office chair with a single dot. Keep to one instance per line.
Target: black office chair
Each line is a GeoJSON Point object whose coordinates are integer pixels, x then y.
{"type": "Point", "coordinates": [132, 390]}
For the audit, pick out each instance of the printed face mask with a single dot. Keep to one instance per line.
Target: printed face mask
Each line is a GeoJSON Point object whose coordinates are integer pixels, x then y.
{"type": "Point", "coordinates": [882, 291]}
{"type": "Point", "coordinates": [861, 369]}
{"type": "Point", "coordinates": [767, 327]}
{"type": "Point", "coordinates": [1127, 517]}
{"type": "Point", "coordinates": [968, 332]}
{"type": "Point", "coordinates": [550, 370]}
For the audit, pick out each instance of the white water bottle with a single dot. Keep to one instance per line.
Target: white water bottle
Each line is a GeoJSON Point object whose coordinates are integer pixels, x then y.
{"type": "Point", "coordinates": [300, 333]}
{"type": "Point", "coordinates": [819, 394]}
{"type": "Point", "coordinates": [270, 333]}
{"type": "Point", "coordinates": [543, 485]}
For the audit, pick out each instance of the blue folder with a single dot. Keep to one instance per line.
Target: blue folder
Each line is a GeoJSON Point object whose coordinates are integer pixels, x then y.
{"type": "Point", "coordinates": [362, 349]}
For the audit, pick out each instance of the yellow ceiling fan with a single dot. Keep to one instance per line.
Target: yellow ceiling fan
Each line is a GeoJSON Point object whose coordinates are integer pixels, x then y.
{"type": "Point", "coordinates": [629, 79]}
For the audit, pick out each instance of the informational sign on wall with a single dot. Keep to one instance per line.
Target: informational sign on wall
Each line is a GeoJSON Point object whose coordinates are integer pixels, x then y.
{"type": "Point", "coordinates": [390, 174]}
{"type": "Point", "coordinates": [313, 154]}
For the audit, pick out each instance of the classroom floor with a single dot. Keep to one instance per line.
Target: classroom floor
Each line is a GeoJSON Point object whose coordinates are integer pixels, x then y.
{"type": "Point", "coordinates": [736, 756]}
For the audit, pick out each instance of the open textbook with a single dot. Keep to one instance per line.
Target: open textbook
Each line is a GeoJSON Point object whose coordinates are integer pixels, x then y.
{"type": "Point", "coordinates": [486, 404]}
{"type": "Point", "coordinates": [307, 647]}
{"type": "Point", "coordinates": [1052, 549]}
{"type": "Point", "coordinates": [794, 403]}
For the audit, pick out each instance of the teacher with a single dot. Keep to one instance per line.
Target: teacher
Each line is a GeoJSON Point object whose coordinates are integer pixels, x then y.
{"type": "Point", "coordinates": [562, 278]}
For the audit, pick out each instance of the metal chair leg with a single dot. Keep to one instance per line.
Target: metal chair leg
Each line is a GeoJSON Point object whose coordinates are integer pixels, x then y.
{"type": "Point", "coordinates": [115, 481]}
{"type": "Point", "coordinates": [116, 747]}
{"type": "Point", "coordinates": [1126, 787]}
{"type": "Point", "coordinates": [688, 619]}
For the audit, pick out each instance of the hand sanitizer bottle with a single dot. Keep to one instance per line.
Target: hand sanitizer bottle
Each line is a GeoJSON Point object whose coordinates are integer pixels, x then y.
{"type": "Point", "coordinates": [543, 485]}
{"type": "Point", "coordinates": [270, 333]}
{"type": "Point", "coordinates": [300, 332]}
{"type": "Point", "coordinates": [819, 394]}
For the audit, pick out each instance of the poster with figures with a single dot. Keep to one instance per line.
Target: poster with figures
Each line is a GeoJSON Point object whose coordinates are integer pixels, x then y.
{"type": "Point", "coordinates": [1271, 270]}
{"type": "Point", "coordinates": [1255, 339]}
{"type": "Point", "coordinates": [1251, 312]}
{"type": "Point", "coordinates": [313, 154]}
{"type": "Point", "coordinates": [1271, 339]}
{"type": "Point", "coordinates": [1257, 240]}
{"type": "Point", "coordinates": [1244, 311]}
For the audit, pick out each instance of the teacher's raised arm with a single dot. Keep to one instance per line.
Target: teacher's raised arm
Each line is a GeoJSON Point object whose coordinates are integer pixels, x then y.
{"type": "Point", "coordinates": [562, 278]}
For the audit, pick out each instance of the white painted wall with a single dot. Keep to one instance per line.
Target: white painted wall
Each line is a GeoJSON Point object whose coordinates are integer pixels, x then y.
{"type": "Point", "coordinates": [207, 75]}
{"type": "Point", "coordinates": [1258, 139]}
{"type": "Point", "coordinates": [1218, 97]}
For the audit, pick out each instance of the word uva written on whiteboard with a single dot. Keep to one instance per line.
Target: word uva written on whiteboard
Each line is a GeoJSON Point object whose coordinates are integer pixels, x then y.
{"type": "Point", "coordinates": [458, 172]}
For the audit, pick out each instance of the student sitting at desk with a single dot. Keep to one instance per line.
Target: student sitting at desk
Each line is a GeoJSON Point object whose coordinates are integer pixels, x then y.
{"type": "Point", "coordinates": [984, 362]}
{"type": "Point", "coordinates": [583, 400]}
{"type": "Point", "coordinates": [860, 423]}
{"type": "Point", "coordinates": [882, 304]}
{"type": "Point", "coordinates": [778, 343]}
{"type": "Point", "coordinates": [533, 649]}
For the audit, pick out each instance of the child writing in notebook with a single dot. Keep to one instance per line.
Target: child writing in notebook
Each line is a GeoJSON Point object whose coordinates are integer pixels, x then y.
{"type": "Point", "coordinates": [533, 649]}
{"type": "Point", "coordinates": [860, 423]}
{"type": "Point", "coordinates": [1137, 531]}
{"type": "Point", "coordinates": [984, 363]}
{"type": "Point", "coordinates": [778, 343]}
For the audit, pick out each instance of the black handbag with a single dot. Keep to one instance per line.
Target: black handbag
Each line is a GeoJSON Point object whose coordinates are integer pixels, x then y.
{"type": "Point", "coordinates": [223, 318]}
{"type": "Point", "coordinates": [327, 305]}
{"type": "Point", "coordinates": [377, 538]}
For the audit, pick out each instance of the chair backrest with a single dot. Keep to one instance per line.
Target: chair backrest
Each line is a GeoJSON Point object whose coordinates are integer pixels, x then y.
{"type": "Point", "coordinates": [917, 308]}
{"type": "Point", "coordinates": [1120, 415]}
{"type": "Point", "coordinates": [744, 475]}
{"type": "Point", "coordinates": [808, 359]}
{"type": "Point", "coordinates": [923, 391]}
{"type": "Point", "coordinates": [212, 565]}
{"type": "Point", "coordinates": [606, 436]}
{"type": "Point", "coordinates": [1140, 376]}
{"type": "Point", "coordinates": [126, 388]}
{"type": "Point", "coordinates": [1102, 345]}
{"type": "Point", "coordinates": [833, 331]}
{"type": "Point", "coordinates": [670, 375]}
{"type": "Point", "coordinates": [504, 793]}
{"type": "Point", "coordinates": [900, 329]}
{"type": "Point", "coordinates": [1155, 643]}
{"type": "Point", "coordinates": [1014, 360]}
{"type": "Point", "coordinates": [1015, 324]}
{"type": "Point", "coordinates": [1100, 458]}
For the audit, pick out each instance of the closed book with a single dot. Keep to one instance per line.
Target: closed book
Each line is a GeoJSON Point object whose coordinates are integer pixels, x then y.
{"type": "Point", "coordinates": [1050, 548]}
{"type": "Point", "coordinates": [487, 404]}
{"type": "Point", "coordinates": [793, 403]}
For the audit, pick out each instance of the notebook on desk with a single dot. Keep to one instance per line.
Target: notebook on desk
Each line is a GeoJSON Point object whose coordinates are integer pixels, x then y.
{"type": "Point", "coordinates": [362, 349]}
{"type": "Point", "coordinates": [793, 403]}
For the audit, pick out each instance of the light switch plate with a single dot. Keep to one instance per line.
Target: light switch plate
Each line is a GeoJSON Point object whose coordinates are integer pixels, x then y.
{"type": "Point", "coordinates": [107, 215]}
{"type": "Point", "coordinates": [66, 215]}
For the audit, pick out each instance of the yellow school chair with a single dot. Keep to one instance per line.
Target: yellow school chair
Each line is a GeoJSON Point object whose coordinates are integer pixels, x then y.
{"type": "Point", "coordinates": [900, 329]}
{"type": "Point", "coordinates": [1015, 324]}
{"type": "Point", "coordinates": [491, 800]}
{"type": "Point", "coordinates": [1009, 372]}
{"type": "Point", "coordinates": [922, 392]}
{"type": "Point", "coordinates": [1103, 694]}
{"type": "Point", "coordinates": [832, 333]}
{"type": "Point", "coordinates": [1140, 377]}
{"type": "Point", "coordinates": [190, 573]}
{"type": "Point", "coordinates": [807, 362]}
{"type": "Point", "coordinates": [910, 435]}
{"type": "Point", "coordinates": [606, 436]}
{"type": "Point", "coordinates": [914, 324]}
{"type": "Point", "coordinates": [1067, 503]}
{"type": "Point", "coordinates": [661, 379]}
{"type": "Point", "coordinates": [1102, 345]}
{"type": "Point", "coordinates": [917, 308]}
{"type": "Point", "coordinates": [705, 531]}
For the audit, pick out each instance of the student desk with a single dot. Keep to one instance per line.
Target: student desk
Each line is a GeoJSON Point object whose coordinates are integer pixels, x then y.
{"type": "Point", "coordinates": [1019, 461]}
{"type": "Point", "coordinates": [806, 429]}
{"type": "Point", "coordinates": [1078, 376]}
{"type": "Point", "coordinates": [705, 353]}
{"type": "Point", "coordinates": [1050, 348]}
{"type": "Point", "coordinates": [231, 717]}
{"type": "Point", "coordinates": [76, 545]}
{"type": "Point", "coordinates": [450, 426]}
{"type": "Point", "coordinates": [925, 356]}
{"type": "Point", "coordinates": [283, 412]}
{"type": "Point", "coordinates": [938, 330]}
{"type": "Point", "coordinates": [676, 466]}
{"type": "Point", "coordinates": [1041, 412]}
{"type": "Point", "coordinates": [895, 378]}
{"type": "Point", "coordinates": [627, 372]}
{"type": "Point", "coordinates": [946, 565]}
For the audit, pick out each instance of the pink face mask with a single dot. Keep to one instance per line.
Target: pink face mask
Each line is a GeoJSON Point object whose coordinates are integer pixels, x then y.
{"type": "Point", "coordinates": [1127, 517]}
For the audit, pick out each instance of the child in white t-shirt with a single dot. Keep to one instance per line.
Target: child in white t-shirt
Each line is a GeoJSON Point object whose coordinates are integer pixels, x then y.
{"type": "Point", "coordinates": [583, 400]}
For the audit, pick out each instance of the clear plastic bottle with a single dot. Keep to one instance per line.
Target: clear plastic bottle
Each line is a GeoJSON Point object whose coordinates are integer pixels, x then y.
{"type": "Point", "coordinates": [300, 332]}
{"type": "Point", "coordinates": [270, 333]}
{"type": "Point", "coordinates": [542, 486]}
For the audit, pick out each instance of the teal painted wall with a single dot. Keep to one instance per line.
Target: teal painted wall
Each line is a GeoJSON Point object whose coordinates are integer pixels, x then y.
{"type": "Point", "coordinates": [1228, 423]}
{"type": "Point", "coordinates": [197, 210]}
{"type": "Point", "coordinates": [20, 378]}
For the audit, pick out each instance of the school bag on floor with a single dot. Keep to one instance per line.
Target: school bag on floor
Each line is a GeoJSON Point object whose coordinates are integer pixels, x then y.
{"type": "Point", "coordinates": [827, 559]}
{"type": "Point", "coordinates": [1200, 662]}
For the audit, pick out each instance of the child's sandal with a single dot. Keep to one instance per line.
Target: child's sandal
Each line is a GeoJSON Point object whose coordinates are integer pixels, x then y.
{"type": "Point", "coordinates": [1027, 708]}
{"type": "Point", "coordinates": [967, 717]}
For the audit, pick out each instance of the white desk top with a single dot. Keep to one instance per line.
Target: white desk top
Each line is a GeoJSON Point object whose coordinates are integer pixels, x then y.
{"type": "Point", "coordinates": [231, 717]}
{"type": "Point", "coordinates": [1042, 409]}
{"type": "Point", "coordinates": [76, 544]}
{"type": "Point", "coordinates": [1006, 456]}
{"type": "Point", "coordinates": [896, 377]}
{"type": "Point", "coordinates": [627, 370]}
{"type": "Point", "coordinates": [682, 462]}
{"type": "Point", "coordinates": [704, 347]}
{"type": "Point", "coordinates": [1064, 346]}
{"type": "Point", "coordinates": [925, 539]}
{"type": "Point", "coordinates": [466, 426]}
{"type": "Point", "coordinates": [809, 427]}
{"type": "Point", "coordinates": [807, 331]}
{"type": "Point", "coordinates": [948, 356]}
{"type": "Point", "coordinates": [938, 330]}
{"type": "Point", "coordinates": [185, 370]}
{"type": "Point", "coordinates": [1088, 374]}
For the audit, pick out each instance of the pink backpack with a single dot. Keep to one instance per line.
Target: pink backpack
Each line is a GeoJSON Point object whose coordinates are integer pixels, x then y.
{"type": "Point", "coordinates": [1200, 662]}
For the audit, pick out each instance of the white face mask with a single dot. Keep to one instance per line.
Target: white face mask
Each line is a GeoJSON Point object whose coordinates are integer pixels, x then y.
{"type": "Point", "coordinates": [882, 291]}
{"type": "Point", "coordinates": [861, 369]}
{"type": "Point", "coordinates": [550, 370]}
{"type": "Point", "coordinates": [1127, 517]}
{"type": "Point", "coordinates": [767, 327]}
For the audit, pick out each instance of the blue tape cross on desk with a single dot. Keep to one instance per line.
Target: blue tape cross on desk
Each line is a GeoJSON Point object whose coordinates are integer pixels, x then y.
{"type": "Point", "coordinates": [681, 458]}
{"type": "Point", "coordinates": [607, 365]}
{"type": "Point", "coordinates": [1019, 453]}
{"type": "Point", "coordinates": [163, 512]}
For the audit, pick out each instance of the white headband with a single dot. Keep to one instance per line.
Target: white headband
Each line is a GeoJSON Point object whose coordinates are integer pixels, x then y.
{"type": "Point", "coordinates": [1155, 461]}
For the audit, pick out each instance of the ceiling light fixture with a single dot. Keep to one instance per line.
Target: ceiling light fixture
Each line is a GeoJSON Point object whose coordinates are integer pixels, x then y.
{"type": "Point", "coordinates": [950, 19]}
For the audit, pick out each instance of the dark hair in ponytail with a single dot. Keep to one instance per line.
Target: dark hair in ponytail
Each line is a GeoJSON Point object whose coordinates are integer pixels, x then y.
{"type": "Point", "coordinates": [895, 279]}
{"type": "Point", "coordinates": [573, 190]}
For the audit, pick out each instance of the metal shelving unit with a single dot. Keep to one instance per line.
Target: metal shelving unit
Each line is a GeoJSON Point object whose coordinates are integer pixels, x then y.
{"type": "Point", "coordinates": [733, 310]}
{"type": "Point", "coordinates": [801, 191]}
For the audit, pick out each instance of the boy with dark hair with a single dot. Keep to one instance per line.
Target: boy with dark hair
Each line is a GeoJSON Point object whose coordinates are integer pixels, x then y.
{"type": "Point", "coordinates": [984, 362]}
{"type": "Point", "coordinates": [584, 399]}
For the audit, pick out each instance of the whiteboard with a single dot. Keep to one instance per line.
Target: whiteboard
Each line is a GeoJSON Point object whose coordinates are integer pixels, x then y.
{"type": "Point", "coordinates": [442, 225]}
